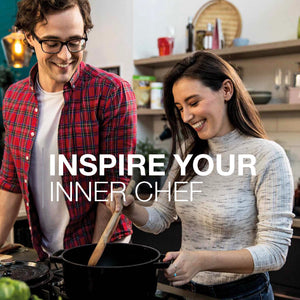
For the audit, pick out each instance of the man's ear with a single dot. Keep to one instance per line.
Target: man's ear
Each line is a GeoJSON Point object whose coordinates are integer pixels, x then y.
{"type": "Point", "coordinates": [227, 87]}
{"type": "Point", "coordinates": [29, 39]}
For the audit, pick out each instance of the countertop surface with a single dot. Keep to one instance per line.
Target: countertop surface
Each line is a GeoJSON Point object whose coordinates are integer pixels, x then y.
{"type": "Point", "coordinates": [180, 292]}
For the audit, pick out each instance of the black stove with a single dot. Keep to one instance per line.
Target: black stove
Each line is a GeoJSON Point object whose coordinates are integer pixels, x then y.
{"type": "Point", "coordinates": [54, 289]}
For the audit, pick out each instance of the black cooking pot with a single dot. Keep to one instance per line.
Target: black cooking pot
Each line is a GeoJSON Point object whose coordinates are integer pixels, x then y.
{"type": "Point", "coordinates": [126, 270]}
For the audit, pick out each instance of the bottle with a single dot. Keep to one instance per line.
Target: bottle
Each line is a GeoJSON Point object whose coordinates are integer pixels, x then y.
{"type": "Point", "coordinates": [208, 38]}
{"type": "Point", "coordinates": [297, 77]}
{"type": "Point", "coordinates": [190, 35]}
{"type": "Point", "coordinates": [199, 39]}
{"type": "Point", "coordinates": [156, 95]}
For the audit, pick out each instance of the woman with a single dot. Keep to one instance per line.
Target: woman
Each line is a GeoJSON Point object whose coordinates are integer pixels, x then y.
{"type": "Point", "coordinates": [239, 226]}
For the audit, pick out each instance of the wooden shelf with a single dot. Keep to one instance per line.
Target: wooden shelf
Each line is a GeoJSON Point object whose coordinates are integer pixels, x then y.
{"type": "Point", "coordinates": [261, 108]}
{"type": "Point", "coordinates": [232, 53]}
{"type": "Point", "coordinates": [150, 112]}
{"type": "Point", "coordinates": [278, 107]}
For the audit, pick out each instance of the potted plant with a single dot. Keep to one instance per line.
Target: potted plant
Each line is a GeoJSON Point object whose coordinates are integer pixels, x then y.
{"type": "Point", "coordinates": [147, 148]}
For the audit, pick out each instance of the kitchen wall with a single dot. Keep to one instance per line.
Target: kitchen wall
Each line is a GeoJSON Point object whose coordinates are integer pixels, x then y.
{"type": "Point", "coordinates": [111, 40]}
{"type": "Point", "coordinates": [285, 129]}
{"type": "Point", "coordinates": [128, 29]}
{"type": "Point", "coordinates": [262, 21]}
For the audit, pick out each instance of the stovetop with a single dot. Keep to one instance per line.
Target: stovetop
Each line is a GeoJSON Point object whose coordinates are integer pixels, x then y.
{"type": "Point", "coordinates": [54, 290]}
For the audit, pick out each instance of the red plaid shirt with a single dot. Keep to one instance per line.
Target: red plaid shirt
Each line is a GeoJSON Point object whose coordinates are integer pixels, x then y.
{"type": "Point", "coordinates": [99, 117]}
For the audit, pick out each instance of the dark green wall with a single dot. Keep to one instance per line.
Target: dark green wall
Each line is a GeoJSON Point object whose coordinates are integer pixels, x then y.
{"type": "Point", "coordinates": [8, 11]}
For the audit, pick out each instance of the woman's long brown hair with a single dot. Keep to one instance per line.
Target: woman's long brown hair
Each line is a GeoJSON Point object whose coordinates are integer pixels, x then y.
{"type": "Point", "coordinates": [211, 70]}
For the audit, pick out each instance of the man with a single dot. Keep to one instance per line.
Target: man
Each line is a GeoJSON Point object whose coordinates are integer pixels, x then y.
{"type": "Point", "coordinates": [65, 107]}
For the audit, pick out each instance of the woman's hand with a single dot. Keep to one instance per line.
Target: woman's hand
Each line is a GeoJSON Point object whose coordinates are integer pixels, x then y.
{"type": "Point", "coordinates": [116, 202]}
{"type": "Point", "coordinates": [185, 266]}
{"type": "Point", "coordinates": [188, 263]}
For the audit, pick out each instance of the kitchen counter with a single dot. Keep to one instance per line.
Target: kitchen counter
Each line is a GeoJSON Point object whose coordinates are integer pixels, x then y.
{"type": "Point", "coordinates": [180, 292]}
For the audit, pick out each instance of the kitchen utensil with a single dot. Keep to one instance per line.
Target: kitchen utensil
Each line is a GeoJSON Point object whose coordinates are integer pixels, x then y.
{"type": "Point", "coordinates": [260, 97]}
{"type": "Point", "coordinates": [124, 271]}
{"type": "Point", "coordinates": [278, 78]}
{"type": "Point", "coordinates": [108, 231]}
{"type": "Point", "coordinates": [296, 81]}
{"type": "Point", "coordinates": [224, 10]}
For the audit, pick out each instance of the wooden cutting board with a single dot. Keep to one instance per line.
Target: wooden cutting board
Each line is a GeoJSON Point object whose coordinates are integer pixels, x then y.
{"type": "Point", "coordinates": [224, 10]}
{"type": "Point", "coordinates": [5, 258]}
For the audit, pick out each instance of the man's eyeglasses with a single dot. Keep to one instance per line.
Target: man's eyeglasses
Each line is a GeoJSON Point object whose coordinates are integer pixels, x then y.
{"type": "Point", "coordinates": [54, 46]}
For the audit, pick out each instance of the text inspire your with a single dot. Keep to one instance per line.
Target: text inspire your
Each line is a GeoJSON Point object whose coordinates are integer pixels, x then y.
{"type": "Point", "coordinates": [137, 161]}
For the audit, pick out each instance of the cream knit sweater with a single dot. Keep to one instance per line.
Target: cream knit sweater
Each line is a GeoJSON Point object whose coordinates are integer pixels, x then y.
{"type": "Point", "coordinates": [234, 212]}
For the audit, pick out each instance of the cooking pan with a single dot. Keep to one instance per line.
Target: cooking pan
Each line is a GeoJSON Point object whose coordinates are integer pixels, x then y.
{"type": "Point", "coordinates": [124, 270]}
{"type": "Point", "coordinates": [34, 274]}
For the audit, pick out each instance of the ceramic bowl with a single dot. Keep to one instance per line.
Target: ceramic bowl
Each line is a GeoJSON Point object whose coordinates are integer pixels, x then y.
{"type": "Point", "coordinates": [260, 97]}
{"type": "Point", "coordinates": [240, 42]}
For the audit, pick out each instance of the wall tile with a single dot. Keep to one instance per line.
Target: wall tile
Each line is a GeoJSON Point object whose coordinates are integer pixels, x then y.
{"type": "Point", "coordinates": [291, 124]}
{"type": "Point", "coordinates": [270, 123]}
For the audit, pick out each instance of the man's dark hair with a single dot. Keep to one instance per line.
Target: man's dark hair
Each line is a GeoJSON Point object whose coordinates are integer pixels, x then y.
{"type": "Point", "coordinates": [31, 12]}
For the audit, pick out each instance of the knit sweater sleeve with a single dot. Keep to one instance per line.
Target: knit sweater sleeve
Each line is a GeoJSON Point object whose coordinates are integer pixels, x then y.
{"type": "Point", "coordinates": [162, 213]}
{"type": "Point", "coordinates": [274, 189]}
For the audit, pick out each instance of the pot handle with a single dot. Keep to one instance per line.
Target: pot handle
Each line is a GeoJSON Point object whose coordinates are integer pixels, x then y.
{"type": "Point", "coordinates": [57, 257]}
{"type": "Point", "coordinates": [162, 264]}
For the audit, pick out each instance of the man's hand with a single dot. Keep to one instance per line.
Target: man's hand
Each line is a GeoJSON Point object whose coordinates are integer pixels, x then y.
{"type": "Point", "coordinates": [116, 201]}
{"type": "Point", "coordinates": [103, 215]}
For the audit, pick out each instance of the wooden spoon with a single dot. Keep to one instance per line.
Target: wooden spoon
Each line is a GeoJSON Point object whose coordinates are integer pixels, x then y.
{"type": "Point", "coordinates": [108, 231]}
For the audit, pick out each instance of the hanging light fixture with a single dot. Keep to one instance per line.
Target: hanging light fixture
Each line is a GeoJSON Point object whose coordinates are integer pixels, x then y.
{"type": "Point", "coordinates": [17, 53]}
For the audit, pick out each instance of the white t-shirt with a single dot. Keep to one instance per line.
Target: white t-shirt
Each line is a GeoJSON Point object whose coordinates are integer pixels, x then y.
{"type": "Point", "coordinates": [53, 215]}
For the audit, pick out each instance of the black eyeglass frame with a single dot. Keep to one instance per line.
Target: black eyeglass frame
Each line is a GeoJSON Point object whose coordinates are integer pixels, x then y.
{"type": "Point", "coordinates": [40, 41]}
